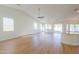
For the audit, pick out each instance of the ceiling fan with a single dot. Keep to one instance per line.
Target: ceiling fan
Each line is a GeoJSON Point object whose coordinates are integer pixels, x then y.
{"type": "Point", "coordinates": [39, 15]}
{"type": "Point", "coordinates": [76, 10]}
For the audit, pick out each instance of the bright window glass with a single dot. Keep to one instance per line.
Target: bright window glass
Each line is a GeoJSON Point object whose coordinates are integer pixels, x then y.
{"type": "Point", "coordinates": [35, 26]}
{"type": "Point", "coordinates": [8, 24]}
{"type": "Point", "coordinates": [58, 27]}
{"type": "Point", "coordinates": [49, 26]}
{"type": "Point", "coordinates": [72, 28]}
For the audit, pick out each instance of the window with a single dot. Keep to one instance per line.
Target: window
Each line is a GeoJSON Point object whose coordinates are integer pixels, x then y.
{"type": "Point", "coordinates": [8, 24]}
{"type": "Point", "coordinates": [72, 28]}
{"type": "Point", "coordinates": [41, 27]}
{"type": "Point", "coordinates": [58, 27]}
{"type": "Point", "coordinates": [49, 26]}
{"type": "Point", "coordinates": [35, 26]}
{"type": "Point", "coordinates": [46, 26]}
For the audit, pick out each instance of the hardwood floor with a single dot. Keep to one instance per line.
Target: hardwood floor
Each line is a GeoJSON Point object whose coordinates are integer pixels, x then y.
{"type": "Point", "coordinates": [42, 43]}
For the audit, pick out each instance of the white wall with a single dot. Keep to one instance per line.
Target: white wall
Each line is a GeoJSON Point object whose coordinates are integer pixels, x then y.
{"type": "Point", "coordinates": [22, 22]}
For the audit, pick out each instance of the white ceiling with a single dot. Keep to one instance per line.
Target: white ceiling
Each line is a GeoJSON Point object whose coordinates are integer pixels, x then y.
{"type": "Point", "coordinates": [52, 12]}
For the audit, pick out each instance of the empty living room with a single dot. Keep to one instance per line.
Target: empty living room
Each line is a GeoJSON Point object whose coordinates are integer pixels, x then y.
{"type": "Point", "coordinates": [39, 29]}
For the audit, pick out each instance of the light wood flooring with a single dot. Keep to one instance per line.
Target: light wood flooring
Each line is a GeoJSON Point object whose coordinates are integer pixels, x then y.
{"type": "Point", "coordinates": [42, 43]}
